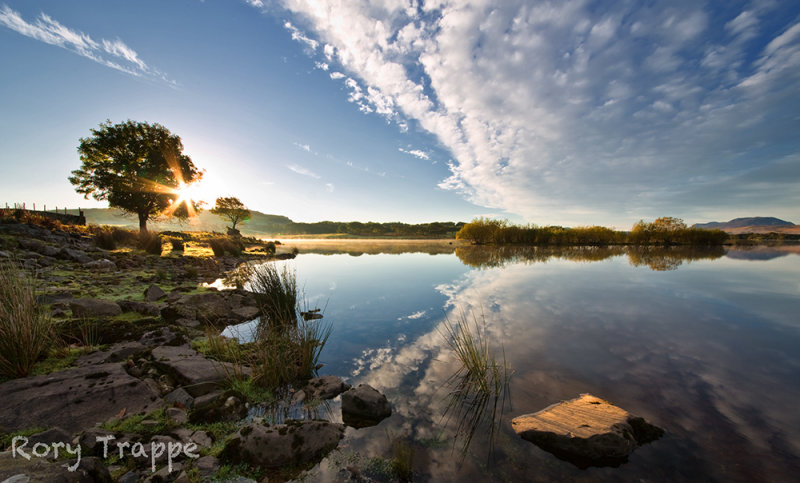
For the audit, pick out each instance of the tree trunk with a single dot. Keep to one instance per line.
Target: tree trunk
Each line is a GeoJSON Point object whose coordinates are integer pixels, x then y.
{"type": "Point", "coordinates": [143, 222]}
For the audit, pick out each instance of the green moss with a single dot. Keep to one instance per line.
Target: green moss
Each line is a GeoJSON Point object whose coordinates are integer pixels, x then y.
{"type": "Point", "coordinates": [133, 424]}
{"type": "Point", "coordinates": [59, 359]}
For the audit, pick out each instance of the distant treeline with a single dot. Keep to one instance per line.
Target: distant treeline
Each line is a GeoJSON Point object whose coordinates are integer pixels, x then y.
{"type": "Point", "coordinates": [371, 229]}
{"type": "Point", "coordinates": [662, 231]}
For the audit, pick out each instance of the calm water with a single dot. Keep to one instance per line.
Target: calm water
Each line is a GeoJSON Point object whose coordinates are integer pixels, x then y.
{"type": "Point", "coordinates": [705, 344]}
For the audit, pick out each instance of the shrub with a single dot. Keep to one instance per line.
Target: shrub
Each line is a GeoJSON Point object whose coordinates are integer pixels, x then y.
{"type": "Point", "coordinates": [150, 242]}
{"type": "Point", "coordinates": [26, 330]}
{"type": "Point", "coordinates": [269, 247]}
{"type": "Point", "coordinates": [104, 238]}
{"type": "Point", "coordinates": [125, 237]}
{"type": "Point", "coordinates": [221, 245]}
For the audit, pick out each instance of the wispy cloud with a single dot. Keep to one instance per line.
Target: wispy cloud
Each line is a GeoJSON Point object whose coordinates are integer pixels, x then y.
{"type": "Point", "coordinates": [554, 109]}
{"type": "Point", "coordinates": [303, 171]}
{"type": "Point", "coordinates": [110, 53]}
{"type": "Point", "coordinates": [300, 36]}
{"type": "Point", "coordinates": [416, 153]}
{"type": "Point", "coordinates": [305, 147]}
{"type": "Point", "coordinates": [329, 187]}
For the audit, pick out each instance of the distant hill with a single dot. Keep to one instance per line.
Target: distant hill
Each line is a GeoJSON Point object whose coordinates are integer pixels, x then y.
{"type": "Point", "coordinates": [264, 225]}
{"type": "Point", "coordinates": [259, 223]}
{"type": "Point", "coordinates": [756, 224]}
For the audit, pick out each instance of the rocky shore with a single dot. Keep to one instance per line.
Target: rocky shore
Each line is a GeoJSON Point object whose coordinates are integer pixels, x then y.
{"type": "Point", "coordinates": [134, 398]}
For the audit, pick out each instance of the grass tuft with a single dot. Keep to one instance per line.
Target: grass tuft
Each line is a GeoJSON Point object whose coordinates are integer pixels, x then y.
{"type": "Point", "coordinates": [26, 330]}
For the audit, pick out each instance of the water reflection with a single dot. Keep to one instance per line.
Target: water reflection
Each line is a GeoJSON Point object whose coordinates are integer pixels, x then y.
{"type": "Point", "coordinates": [656, 257]}
{"type": "Point", "coordinates": [707, 351]}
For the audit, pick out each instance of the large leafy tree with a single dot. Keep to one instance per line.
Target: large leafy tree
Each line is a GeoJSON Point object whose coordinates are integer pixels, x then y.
{"type": "Point", "coordinates": [231, 209]}
{"type": "Point", "coordinates": [138, 168]}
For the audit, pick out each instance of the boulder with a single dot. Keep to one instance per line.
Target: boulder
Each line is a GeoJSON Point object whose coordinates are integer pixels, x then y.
{"type": "Point", "coordinates": [586, 431]}
{"type": "Point", "coordinates": [325, 387]}
{"type": "Point", "coordinates": [154, 293]}
{"type": "Point", "coordinates": [118, 352]}
{"type": "Point", "coordinates": [73, 399]}
{"type": "Point", "coordinates": [246, 312]}
{"type": "Point", "coordinates": [295, 443]}
{"type": "Point", "coordinates": [364, 406]}
{"type": "Point", "coordinates": [94, 308]}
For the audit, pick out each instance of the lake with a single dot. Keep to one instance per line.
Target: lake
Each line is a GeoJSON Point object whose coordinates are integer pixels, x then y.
{"type": "Point", "coordinates": [703, 343]}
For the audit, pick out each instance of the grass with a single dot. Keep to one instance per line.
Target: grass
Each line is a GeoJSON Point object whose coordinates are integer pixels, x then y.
{"type": "Point", "coordinates": [276, 293]}
{"type": "Point", "coordinates": [6, 439]}
{"type": "Point", "coordinates": [479, 388]}
{"type": "Point", "coordinates": [26, 330]}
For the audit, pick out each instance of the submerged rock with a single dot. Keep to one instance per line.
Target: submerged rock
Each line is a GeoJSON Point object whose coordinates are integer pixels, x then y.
{"type": "Point", "coordinates": [586, 431]}
{"type": "Point", "coordinates": [364, 406]}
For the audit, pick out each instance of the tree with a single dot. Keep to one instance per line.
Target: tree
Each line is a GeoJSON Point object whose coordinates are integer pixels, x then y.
{"type": "Point", "coordinates": [231, 209]}
{"type": "Point", "coordinates": [138, 167]}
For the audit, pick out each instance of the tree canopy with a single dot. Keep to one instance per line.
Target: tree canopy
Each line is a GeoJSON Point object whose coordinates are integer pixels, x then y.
{"type": "Point", "coordinates": [231, 209]}
{"type": "Point", "coordinates": [138, 168]}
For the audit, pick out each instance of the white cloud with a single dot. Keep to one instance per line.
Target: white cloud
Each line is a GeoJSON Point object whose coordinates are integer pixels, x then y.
{"type": "Point", "coordinates": [337, 75]}
{"type": "Point", "coordinates": [416, 153]}
{"type": "Point", "coordinates": [305, 147]}
{"type": "Point", "coordinates": [321, 65]}
{"type": "Point", "coordinates": [50, 31]}
{"type": "Point", "coordinates": [300, 36]}
{"type": "Point", "coordinates": [573, 112]}
{"type": "Point", "coordinates": [330, 187]}
{"type": "Point", "coordinates": [303, 171]}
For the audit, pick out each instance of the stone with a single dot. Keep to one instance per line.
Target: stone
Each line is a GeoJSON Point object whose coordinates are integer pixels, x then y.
{"type": "Point", "coordinates": [73, 399]}
{"type": "Point", "coordinates": [246, 312]}
{"type": "Point", "coordinates": [177, 415]}
{"type": "Point", "coordinates": [325, 387]}
{"type": "Point", "coordinates": [103, 265]}
{"type": "Point", "coordinates": [143, 308]}
{"type": "Point", "coordinates": [161, 336]}
{"type": "Point", "coordinates": [364, 406]}
{"type": "Point", "coordinates": [90, 444]}
{"type": "Point", "coordinates": [187, 366]}
{"type": "Point", "coordinates": [38, 469]}
{"type": "Point", "coordinates": [202, 439]}
{"type": "Point", "coordinates": [154, 293]}
{"type": "Point", "coordinates": [74, 255]}
{"type": "Point", "coordinates": [94, 308]}
{"type": "Point", "coordinates": [209, 307]}
{"type": "Point", "coordinates": [180, 396]}
{"type": "Point", "coordinates": [207, 465]}
{"type": "Point", "coordinates": [294, 443]}
{"type": "Point", "coordinates": [52, 435]}
{"type": "Point", "coordinates": [4, 254]}
{"type": "Point", "coordinates": [586, 431]}
{"type": "Point", "coordinates": [121, 351]}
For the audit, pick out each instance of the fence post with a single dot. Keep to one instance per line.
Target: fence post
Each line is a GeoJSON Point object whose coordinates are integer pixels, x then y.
{"type": "Point", "coordinates": [34, 207]}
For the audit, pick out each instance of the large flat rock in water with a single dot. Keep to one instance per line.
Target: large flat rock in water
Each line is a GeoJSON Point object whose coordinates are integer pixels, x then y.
{"type": "Point", "coordinates": [73, 399]}
{"type": "Point", "coordinates": [586, 431]}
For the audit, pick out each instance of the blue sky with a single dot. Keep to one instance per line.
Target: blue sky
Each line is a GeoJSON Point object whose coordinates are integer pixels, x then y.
{"type": "Point", "coordinates": [563, 112]}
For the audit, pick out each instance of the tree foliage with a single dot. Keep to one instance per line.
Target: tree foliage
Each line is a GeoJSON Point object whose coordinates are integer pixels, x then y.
{"type": "Point", "coordinates": [137, 167]}
{"type": "Point", "coordinates": [231, 209]}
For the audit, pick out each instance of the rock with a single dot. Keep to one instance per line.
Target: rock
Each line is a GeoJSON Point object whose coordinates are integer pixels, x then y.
{"type": "Point", "coordinates": [187, 366]}
{"type": "Point", "coordinates": [161, 336]}
{"type": "Point", "coordinates": [94, 308]}
{"type": "Point", "coordinates": [90, 444]}
{"type": "Point", "coordinates": [177, 415]}
{"type": "Point", "coordinates": [586, 431]}
{"type": "Point", "coordinates": [325, 387]}
{"type": "Point", "coordinates": [121, 351]}
{"type": "Point", "coordinates": [74, 255]}
{"type": "Point", "coordinates": [180, 396]}
{"type": "Point", "coordinates": [294, 443]}
{"type": "Point", "coordinates": [207, 466]}
{"type": "Point", "coordinates": [203, 439]}
{"type": "Point", "coordinates": [38, 469]}
{"type": "Point", "coordinates": [207, 307]}
{"type": "Point", "coordinates": [4, 254]}
{"type": "Point", "coordinates": [73, 399]}
{"type": "Point", "coordinates": [246, 312]}
{"type": "Point", "coordinates": [143, 308]}
{"type": "Point", "coordinates": [52, 435]}
{"type": "Point", "coordinates": [104, 265]}
{"type": "Point", "coordinates": [364, 406]}
{"type": "Point", "coordinates": [217, 406]}
{"type": "Point", "coordinates": [154, 293]}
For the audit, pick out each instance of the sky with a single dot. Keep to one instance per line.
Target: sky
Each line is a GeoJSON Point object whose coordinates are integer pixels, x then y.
{"type": "Point", "coordinates": [547, 112]}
